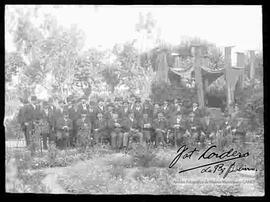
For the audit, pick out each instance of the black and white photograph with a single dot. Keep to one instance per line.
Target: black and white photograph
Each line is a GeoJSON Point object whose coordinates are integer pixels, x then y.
{"type": "Point", "coordinates": [134, 100]}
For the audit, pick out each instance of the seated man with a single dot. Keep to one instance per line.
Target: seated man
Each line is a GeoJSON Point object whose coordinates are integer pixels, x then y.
{"type": "Point", "coordinates": [131, 130]}
{"type": "Point", "coordinates": [209, 128]}
{"type": "Point", "coordinates": [64, 128]}
{"type": "Point", "coordinates": [239, 132]}
{"type": "Point", "coordinates": [84, 131]}
{"type": "Point", "coordinates": [160, 126]}
{"type": "Point", "coordinates": [224, 137]}
{"type": "Point", "coordinates": [115, 127]}
{"type": "Point", "coordinates": [178, 127]}
{"type": "Point", "coordinates": [193, 130]}
{"type": "Point", "coordinates": [100, 126]}
{"type": "Point", "coordinates": [147, 126]}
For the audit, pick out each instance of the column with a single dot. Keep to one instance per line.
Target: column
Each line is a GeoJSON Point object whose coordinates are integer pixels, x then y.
{"type": "Point", "coordinates": [198, 74]}
{"type": "Point", "coordinates": [228, 67]}
{"type": "Point", "coordinates": [241, 63]}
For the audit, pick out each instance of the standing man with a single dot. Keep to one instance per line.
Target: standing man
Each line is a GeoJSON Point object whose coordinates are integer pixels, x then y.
{"type": "Point", "coordinates": [48, 124]}
{"type": "Point", "coordinates": [73, 116]}
{"type": "Point", "coordinates": [64, 127]}
{"type": "Point", "coordinates": [196, 110]}
{"type": "Point", "coordinates": [166, 109]}
{"type": "Point", "coordinates": [125, 111]}
{"type": "Point", "coordinates": [137, 110]}
{"type": "Point", "coordinates": [156, 110]}
{"type": "Point", "coordinates": [100, 107]}
{"type": "Point", "coordinates": [147, 108]}
{"type": "Point", "coordinates": [24, 118]}
{"type": "Point", "coordinates": [176, 108]}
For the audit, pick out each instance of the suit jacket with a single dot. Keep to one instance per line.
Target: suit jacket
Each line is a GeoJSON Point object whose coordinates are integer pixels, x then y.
{"type": "Point", "coordinates": [81, 108]}
{"type": "Point", "coordinates": [208, 128]}
{"type": "Point", "coordinates": [146, 121]}
{"type": "Point", "coordinates": [166, 111]}
{"type": "Point", "coordinates": [84, 125]}
{"type": "Point", "coordinates": [24, 115]}
{"type": "Point", "coordinates": [155, 112]}
{"type": "Point", "coordinates": [193, 126]}
{"type": "Point", "coordinates": [125, 112]}
{"type": "Point", "coordinates": [161, 124]}
{"type": "Point", "coordinates": [112, 127]}
{"type": "Point", "coordinates": [60, 123]}
{"type": "Point", "coordinates": [175, 110]}
{"type": "Point", "coordinates": [49, 116]}
{"type": "Point", "coordinates": [73, 115]}
{"type": "Point", "coordinates": [138, 112]}
{"type": "Point", "coordinates": [98, 110]}
{"type": "Point", "coordinates": [101, 125]}
{"type": "Point", "coordinates": [178, 124]}
{"type": "Point", "coordinates": [148, 109]}
{"type": "Point", "coordinates": [128, 124]}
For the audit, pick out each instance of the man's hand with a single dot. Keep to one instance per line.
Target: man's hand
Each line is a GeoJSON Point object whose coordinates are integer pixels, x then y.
{"type": "Point", "coordinates": [117, 124]}
{"type": "Point", "coordinates": [26, 123]}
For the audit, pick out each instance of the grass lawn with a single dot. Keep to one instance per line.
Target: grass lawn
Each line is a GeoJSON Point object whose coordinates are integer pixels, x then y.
{"type": "Point", "coordinates": [103, 171]}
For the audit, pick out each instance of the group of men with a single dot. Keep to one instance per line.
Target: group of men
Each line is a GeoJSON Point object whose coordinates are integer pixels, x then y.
{"type": "Point", "coordinates": [121, 121]}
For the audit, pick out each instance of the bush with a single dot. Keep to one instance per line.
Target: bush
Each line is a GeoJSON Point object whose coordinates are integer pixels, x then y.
{"type": "Point", "coordinates": [143, 156]}
{"type": "Point", "coordinates": [164, 91]}
{"type": "Point", "coordinates": [146, 173]}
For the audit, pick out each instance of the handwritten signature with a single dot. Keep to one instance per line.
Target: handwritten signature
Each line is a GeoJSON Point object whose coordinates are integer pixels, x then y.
{"type": "Point", "coordinates": [213, 167]}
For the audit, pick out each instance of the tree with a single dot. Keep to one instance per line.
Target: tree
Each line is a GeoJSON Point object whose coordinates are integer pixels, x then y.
{"type": "Point", "coordinates": [13, 63]}
{"type": "Point", "coordinates": [111, 77]}
{"type": "Point", "coordinates": [49, 51]}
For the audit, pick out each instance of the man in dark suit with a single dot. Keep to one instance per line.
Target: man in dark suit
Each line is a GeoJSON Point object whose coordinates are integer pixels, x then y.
{"type": "Point", "coordinates": [73, 116]}
{"type": "Point", "coordinates": [193, 130]}
{"type": "Point", "coordinates": [100, 128]}
{"type": "Point", "coordinates": [64, 127]}
{"type": "Point", "coordinates": [178, 126]}
{"type": "Point", "coordinates": [209, 128]}
{"type": "Point", "coordinates": [137, 110]}
{"type": "Point", "coordinates": [84, 126]}
{"type": "Point", "coordinates": [166, 109]}
{"type": "Point", "coordinates": [24, 118]}
{"type": "Point", "coordinates": [48, 124]}
{"type": "Point", "coordinates": [146, 127]}
{"type": "Point", "coordinates": [32, 113]}
{"type": "Point", "coordinates": [125, 111]}
{"type": "Point", "coordinates": [115, 128]}
{"type": "Point", "coordinates": [160, 125]}
{"type": "Point", "coordinates": [100, 108]}
{"type": "Point", "coordinates": [147, 108]}
{"type": "Point", "coordinates": [156, 110]}
{"type": "Point", "coordinates": [131, 130]}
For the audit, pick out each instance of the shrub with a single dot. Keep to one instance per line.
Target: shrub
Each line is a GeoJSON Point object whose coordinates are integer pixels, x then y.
{"type": "Point", "coordinates": [117, 172]}
{"type": "Point", "coordinates": [146, 173]}
{"type": "Point", "coordinates": [143, 156]}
